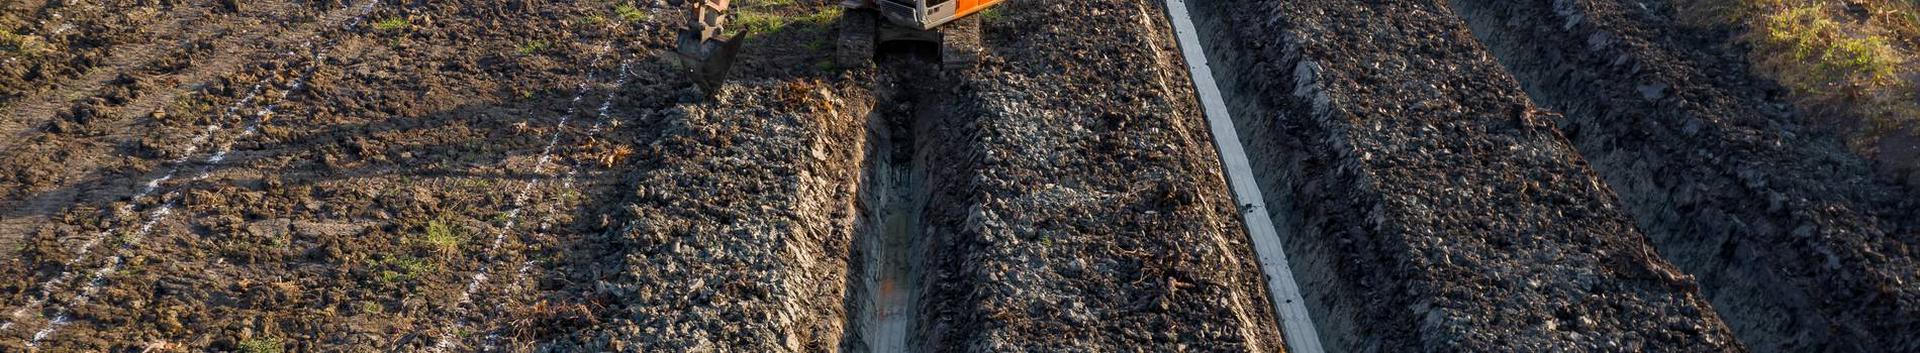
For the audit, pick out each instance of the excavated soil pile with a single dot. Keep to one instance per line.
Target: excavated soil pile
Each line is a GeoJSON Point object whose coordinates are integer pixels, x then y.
{"type": "Point", "coordinates": [1076, 203]}
{"type": "Point", "coordinates": [1792, 239]}
{"type": "Point", "coordinates": [739, 228]}
{"type": "Point", "coordinates": [1434, 209]}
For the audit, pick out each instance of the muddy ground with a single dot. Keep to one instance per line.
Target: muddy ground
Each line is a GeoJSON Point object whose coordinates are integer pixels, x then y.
{"type": "Point", "coordinates": [534, 175]}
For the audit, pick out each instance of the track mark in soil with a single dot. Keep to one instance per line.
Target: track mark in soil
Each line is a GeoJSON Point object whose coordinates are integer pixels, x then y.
{"type": "Point", "coordinates": [891, 233]}
{"type": "Point", "coordinates": [114, 263]}
{"type": "Point", "coordinates": [1284, 292]}
{"type": "Point", "coordinates": [80, 252]}
{"type": "Point", "coordinates": [478, 280]}
{"type": "Point", "coordinates": [98, 278]}
{"type": "Point", "coordinates": [28, 114]}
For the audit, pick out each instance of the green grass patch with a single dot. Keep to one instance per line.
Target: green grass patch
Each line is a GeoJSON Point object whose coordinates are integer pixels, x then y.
{"type": "Point", "coordinates": [1810, 36]}
{"type": "Point", "coordinates": [769, 22]}
{"type": "Point", "coordinates": [393, 269]}
{"type": "Point", "coordinates": [392, 24]}
{"type": "Point", "coordinates": [262, 345]}
{"type": "Point", "coordinates": [534, 47]}
{"type": "Point", "coordinates": [23, 45]}
{"type": "Point", "coordinates": [442, 237]}
{"type": "Point", "coordinates": [1835, 57]}
{"type": "Point", "coordinates": [626, 12]}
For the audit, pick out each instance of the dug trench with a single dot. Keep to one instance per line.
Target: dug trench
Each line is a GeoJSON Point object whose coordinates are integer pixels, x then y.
{"type": "Point", "coordinates": [1425, 202]}
{"type": "Point", "coordinates": [890, 253]}
{"type": "Point", "coordinates": [1060, 197]}
{"type": "Point", "coordinates": [1799, 247]}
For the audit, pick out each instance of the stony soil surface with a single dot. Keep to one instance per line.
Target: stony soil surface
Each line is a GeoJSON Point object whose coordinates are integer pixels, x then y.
{"type": "Point", "coordinates": [1433, 207]}
{"type": "Point", "coordinates": [1078, 205]}
{"type": "Point", "coordinates": [534, 175]}
{"type": "Point", "coordinates": [1794, 241]}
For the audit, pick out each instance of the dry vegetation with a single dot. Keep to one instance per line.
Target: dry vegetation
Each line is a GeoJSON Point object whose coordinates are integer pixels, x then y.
{"type": "Point", "coordinates": [1851, 62]}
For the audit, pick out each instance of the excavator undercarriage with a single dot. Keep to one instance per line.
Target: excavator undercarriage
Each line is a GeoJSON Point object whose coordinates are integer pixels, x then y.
{"type": "Point", "coordinates": [708, 54]}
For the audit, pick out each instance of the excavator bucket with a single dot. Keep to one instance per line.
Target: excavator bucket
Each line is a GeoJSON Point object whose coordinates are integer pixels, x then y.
{"type": "Point", "coordinates": [711, 72]}
{"type": "Point", "coordinates": [701, 50]}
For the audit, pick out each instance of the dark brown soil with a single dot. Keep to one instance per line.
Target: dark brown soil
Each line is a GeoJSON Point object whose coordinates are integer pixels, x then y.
{"type": "Point", "coordinates": [1078, 204]}
{"type": "Point", "coordinates": [1793, 239]}
{"type": "Point", "coordinates": [534, 175]}
{"type": "Point", "coordinates": [1433, 208]}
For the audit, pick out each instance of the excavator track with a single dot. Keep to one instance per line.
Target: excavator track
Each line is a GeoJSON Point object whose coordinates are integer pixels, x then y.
{"type": "Point", "coordinates": [960, 44]}
{"type": "Point", "coordinates": [858, 28]}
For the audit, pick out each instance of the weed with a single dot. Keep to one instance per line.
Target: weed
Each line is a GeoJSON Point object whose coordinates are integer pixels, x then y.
{"type": "Point", "coordinates": [760, 22]}
{"type": "Point", "coordinates": [442, 237]}
{"type": "Point", "coordinates": [767, 3]}
{"type": "Point", "coordinates": [1832, 60]}
{"type": "Point", "coordinates": [1810, 36]}
{"type": "Point", "coordinates": [626, 12]}
{"type": "Point", "coordinates": [371, 307]}
{"type": "Point", "coordinates": [992, 14]}
{"type": "Point", "coordinates": [396, 269]}
{"type": "Point", "coordinates": [392, 24]}
{"type": "Point", "coordinates": [23, 45]}
{"type": "Point", "coordinates": [592, 20]}
{"type": "Point", "coordinates": [262, 345]}
{"type": "Point", "coordinates": [534, 46]}
{"type": "Point", "coordinates": [766, 22]}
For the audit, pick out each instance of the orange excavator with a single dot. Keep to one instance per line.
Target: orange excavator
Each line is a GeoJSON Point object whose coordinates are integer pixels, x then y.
{"type": "Point", "coordinates": [708, 53]}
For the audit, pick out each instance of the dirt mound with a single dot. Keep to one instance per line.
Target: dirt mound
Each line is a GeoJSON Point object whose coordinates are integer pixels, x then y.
{"type": "Point", "coordinates": [1078, 203]}
{"type": "Point", "coordinates": [1794, 241]}
{"type": "Point", "coordinates": [1434, 207]}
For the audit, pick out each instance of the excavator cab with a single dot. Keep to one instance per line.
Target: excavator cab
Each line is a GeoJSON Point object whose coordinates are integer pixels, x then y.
{"type": "Point", "coordinates": [708, 54]}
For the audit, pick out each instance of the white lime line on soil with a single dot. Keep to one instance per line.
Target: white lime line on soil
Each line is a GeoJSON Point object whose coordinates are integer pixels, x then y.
{"type": "Point", "coordinates": [61, 318]}
{"type": "Point", "coordinates": [520, 198]}
{"type": "Point", "coordinates": [117, 261]}
{"type": "Point", "coordinates": [80, 253]}
{"type": "Point", "coordinates": [602, 116]}
{"type": "Point", "coordinates": [1289, 304]}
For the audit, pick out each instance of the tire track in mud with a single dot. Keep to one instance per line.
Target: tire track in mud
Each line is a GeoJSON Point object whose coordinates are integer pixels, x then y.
{"type": "Point", "coordinates": [446, 340]}
{"type": "Point", "coordinates": [27, 114]}
{"type": "Point", "coordinates": [159, 214]}
{"type": "Point", "coordinates": [61, 318]}
{"type": "Point", "coordinates": [201, 74]}
{"type": "Point", "coordinates": [152, 185]}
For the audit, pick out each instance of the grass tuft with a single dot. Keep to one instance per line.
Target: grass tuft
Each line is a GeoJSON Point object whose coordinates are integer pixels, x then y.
{"type": "Point", "coordinates": [442, 237]}
{"type": "Point", "coordinates": [262, 345]}
{"type": "Point", "coordinates": [392, 24]}
{"type": "Point", "coordinates": [626, 12]}
{"type": "Point", "coordinates": [534, 46]}
{"type": "Point", "coordinates": [1851, 58]}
